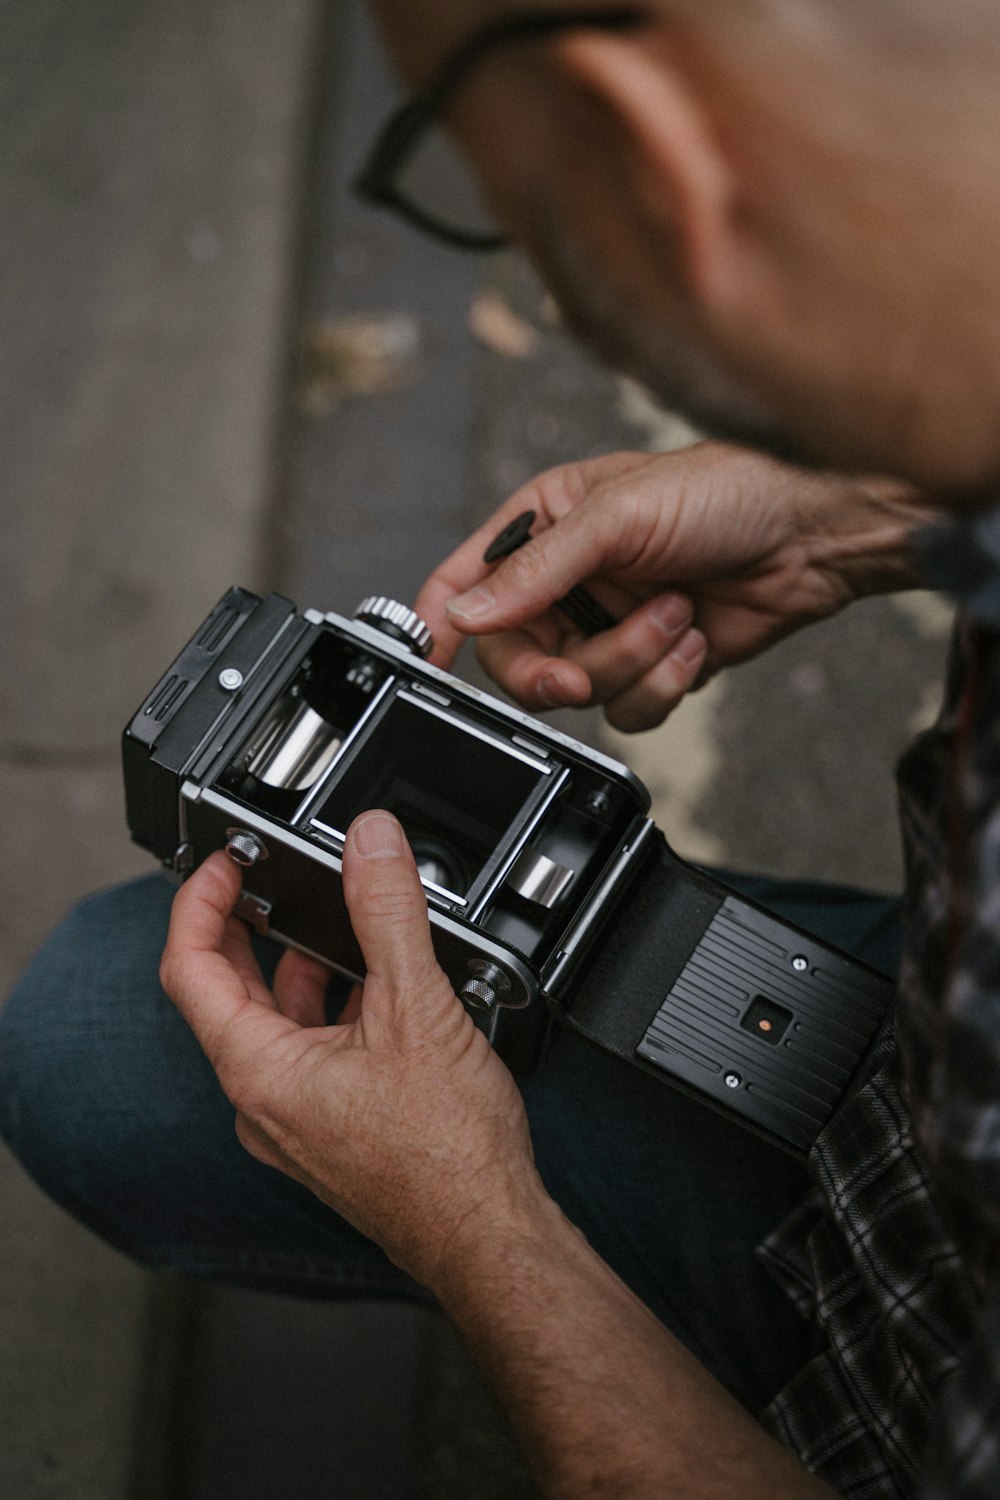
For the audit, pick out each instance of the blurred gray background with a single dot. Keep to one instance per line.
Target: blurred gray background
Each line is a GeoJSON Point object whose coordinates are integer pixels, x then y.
{"type": "Point", "coordinates": [216, 368]}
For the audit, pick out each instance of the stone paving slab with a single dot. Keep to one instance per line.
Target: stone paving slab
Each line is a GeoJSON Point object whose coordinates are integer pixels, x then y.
{"type": "Point", "coordinates": [376, 488]}
{"type": "Point", "coordinates": [71, 1349]}
{"type": "Point", "coordinates": [151, 157]}
{"type": "Point", "coordinates": [328, 1398]}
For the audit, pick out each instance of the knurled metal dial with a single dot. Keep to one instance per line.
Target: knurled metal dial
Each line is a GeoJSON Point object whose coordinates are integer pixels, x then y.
{"type": "Point", "coordinates": [244, 848]}
{"type": "Point", "coordinates": [396, 620]}
{"type": "Point", "coordinates": [478, 995]}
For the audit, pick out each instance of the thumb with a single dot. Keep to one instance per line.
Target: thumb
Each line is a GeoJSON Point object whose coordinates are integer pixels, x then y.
{"type": "Point", "coordinates": [585, 542]}
{"type": "Point", "coordinates": [387, 906]}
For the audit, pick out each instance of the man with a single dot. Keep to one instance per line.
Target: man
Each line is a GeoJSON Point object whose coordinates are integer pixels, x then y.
{"type": "Point", "coordinates": [786, 218]}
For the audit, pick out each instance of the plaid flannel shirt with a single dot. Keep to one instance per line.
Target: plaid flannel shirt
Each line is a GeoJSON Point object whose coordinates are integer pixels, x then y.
{"type": "Point", "coordinates": [895, 1256]}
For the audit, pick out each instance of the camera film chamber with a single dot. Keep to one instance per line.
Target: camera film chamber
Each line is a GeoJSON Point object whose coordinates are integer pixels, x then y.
{"type": "Point", "coordinates": [515, 828]}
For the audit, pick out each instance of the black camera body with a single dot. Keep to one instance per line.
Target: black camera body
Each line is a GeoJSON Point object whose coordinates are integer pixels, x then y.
{"type": "Point", "coordinates": [549, 890]}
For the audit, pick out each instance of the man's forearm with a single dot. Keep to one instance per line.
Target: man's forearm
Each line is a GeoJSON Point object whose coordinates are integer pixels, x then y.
{"type": "Point", "coordinates": [603, 1399]}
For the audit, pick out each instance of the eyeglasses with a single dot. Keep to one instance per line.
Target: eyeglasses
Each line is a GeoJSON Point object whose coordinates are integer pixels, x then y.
{"type": "Point", "coordinates": [413, 170]}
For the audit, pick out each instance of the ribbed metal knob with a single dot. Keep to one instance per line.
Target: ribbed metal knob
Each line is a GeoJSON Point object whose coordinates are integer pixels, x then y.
{"type": "Point", "coordinates": [478, 995]}
{"type": "Point", "coordinates": [395, 619]}
{"type": "Point", "coordinates": [245, 849]}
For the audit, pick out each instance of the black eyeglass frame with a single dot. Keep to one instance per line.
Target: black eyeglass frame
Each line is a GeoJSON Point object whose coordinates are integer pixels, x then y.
{"type": "Point", "coordinates": [401, 133]}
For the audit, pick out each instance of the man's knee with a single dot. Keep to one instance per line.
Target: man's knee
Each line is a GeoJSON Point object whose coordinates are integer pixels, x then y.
{"type": "Point", "coordinates": [93, 1058]}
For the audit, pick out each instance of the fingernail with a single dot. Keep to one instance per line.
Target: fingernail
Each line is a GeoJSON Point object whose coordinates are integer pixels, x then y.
{"type": "Point", "coordinates": [671, 614]}
{"type": "Point", "coordinates": [689, 647]}
{"type": "Point", "coordinates": [378, 836]}
{"type": "Point", "coordinates": [550, 692]}
{"type": "Point", "coordinates": [471, 606]}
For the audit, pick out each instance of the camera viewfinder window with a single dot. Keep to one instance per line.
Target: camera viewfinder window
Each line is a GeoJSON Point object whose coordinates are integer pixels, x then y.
{"type": "Point", "coordinates": [455, 794]}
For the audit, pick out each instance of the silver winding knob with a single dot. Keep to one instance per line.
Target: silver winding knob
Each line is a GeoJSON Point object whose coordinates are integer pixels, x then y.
{"type": "Point", "coordinates": [396, 620]}
{"type": "Point", "coordinates": [244, 848]}
{"type": "Point", "coordinates": [487, 984]}
{"type": "Point", "coordinates": [478, 995]}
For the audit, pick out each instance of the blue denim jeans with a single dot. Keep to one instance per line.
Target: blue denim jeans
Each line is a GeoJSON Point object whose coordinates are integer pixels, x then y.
{"type": "Point", "coordinates": [109, 1103]}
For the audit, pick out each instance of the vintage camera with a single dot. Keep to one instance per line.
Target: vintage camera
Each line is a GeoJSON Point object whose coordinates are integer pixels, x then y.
{"type": "Point", "coordinates": [549, 890]}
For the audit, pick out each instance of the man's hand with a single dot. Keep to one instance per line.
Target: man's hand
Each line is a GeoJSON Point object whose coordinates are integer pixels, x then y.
{"type": "Point", "coordinates": [403, 1119]}
{"type": "Point", "coordinates": [405, 1122]}
{"type": "Point", "coordinates": [707, 556]}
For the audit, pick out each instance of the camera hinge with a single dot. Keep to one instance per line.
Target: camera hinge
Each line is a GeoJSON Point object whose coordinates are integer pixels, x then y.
{"type": "Point", "coordinates": [562, 963]}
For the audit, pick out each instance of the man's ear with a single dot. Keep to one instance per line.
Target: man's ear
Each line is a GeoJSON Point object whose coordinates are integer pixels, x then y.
{"type": "Point", "coordinates": [675, 162]}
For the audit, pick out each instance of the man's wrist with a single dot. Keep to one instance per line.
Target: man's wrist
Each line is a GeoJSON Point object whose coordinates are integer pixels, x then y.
{"type": "Point", "coordinates": [508, 1231]}
{"type": "Point", "coordinates": [870, 543]}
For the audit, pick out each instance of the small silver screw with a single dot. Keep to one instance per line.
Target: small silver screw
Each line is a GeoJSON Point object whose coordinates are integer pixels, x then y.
{"type": "Point", "coordinates": [230, 678]}
{"type": "Point", "coordinates": [598, 801]}
{"type": "Point", "coordinates": [362, 676]}
{"type": "Point", "coordinates": [800, 964]}
{"type": "Point", "coordinates": [733, 1080]}
{"type": "Point", "coordinates": [245, 848]}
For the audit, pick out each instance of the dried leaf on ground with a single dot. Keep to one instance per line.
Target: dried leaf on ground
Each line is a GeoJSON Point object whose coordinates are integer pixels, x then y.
{"type": "Point", "coordinates": [356, 356]}
{"type": "Point", "coordinates": [495, 323]}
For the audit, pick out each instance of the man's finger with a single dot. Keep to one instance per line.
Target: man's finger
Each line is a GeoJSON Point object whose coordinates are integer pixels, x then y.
{"type": "Point", "coordinates": [387, 906]}
{"type": "Point", "coordinates": [238, 949]}
{"type": "Point", "coordinates": [535, 678]}
{"type": "Point", "coordinates": [648, 702]}
{"type": "Point", "coordinates": [616, 659]}
{"type": "Point", "coordinates": [586, 542]}
{"type": "Point", "coordinates": [551, 496]}
{"type": "Point", "coordinates": [594, 670]}
{"type": "Point", "coordinates": [300, 985]}
{"type": "Point", "coordinates": [203, 906]}
{"type": "Point", "coordinates": [197, 974]}
{"type": "Point", "coordinates": [431, 605]}
{"type": "Point", "coordinates": [459, 571]}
